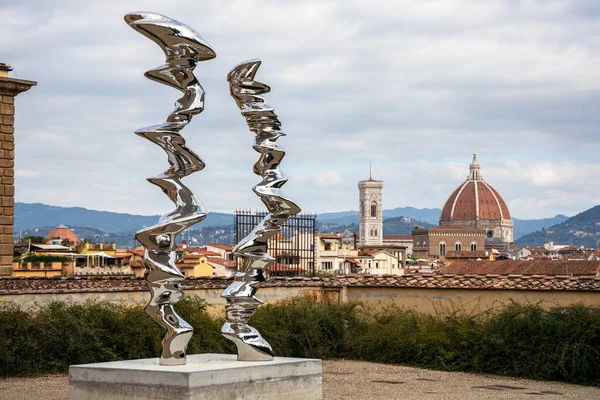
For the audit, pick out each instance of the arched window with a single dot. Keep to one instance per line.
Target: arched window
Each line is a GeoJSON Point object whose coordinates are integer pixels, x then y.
{"type": "Point", "coordinates": [473, 246]}
{"type": "Point", "coordinates": [375, 232]}
{"type": "Point", "coordinates": [458, 246]}
{"type": "Point", "coordinates": [442, 249]}
{"type": "Point", "coordinates": [374, 210]}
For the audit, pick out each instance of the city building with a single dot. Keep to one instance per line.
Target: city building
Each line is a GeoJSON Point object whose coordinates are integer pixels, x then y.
{"type": "Point", "coordinates": [475, 204]}
{"type": "Point", "coordinates": [336, 253]}
{"type": "Point", "coordinates": [437, 241]}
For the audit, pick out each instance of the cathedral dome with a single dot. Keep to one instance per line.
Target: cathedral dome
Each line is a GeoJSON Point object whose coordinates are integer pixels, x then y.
{"type": "Point", "coordinates": [63, 232]}
{"type": "Point", "coordinates": [474, 200]}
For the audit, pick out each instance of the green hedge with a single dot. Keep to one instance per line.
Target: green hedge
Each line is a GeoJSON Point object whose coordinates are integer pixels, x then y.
{"type": "Point", "coordinates": [518, 340]}
{"type": "Point", "coordinates": [36, 259]}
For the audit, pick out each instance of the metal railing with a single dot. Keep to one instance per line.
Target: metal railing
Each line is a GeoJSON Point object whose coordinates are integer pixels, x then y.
{"type": "Point", "coordinates": [293, 247]}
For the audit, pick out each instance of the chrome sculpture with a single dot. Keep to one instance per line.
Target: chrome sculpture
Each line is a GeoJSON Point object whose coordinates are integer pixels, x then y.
{"type": "Point", "coordinates": [252, 250]}
{"type": "Point", "coordinates": [183, 48]}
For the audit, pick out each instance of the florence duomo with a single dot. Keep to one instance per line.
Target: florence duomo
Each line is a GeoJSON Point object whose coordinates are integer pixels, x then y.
{"type": "Point", "coordinates": [476, 204]}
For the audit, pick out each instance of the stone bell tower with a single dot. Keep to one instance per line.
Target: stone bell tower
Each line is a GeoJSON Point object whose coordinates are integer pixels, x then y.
{"type": "Point", "coordinates": [9, 89]}
{"type": "Point", "coordinates": [370, 194]}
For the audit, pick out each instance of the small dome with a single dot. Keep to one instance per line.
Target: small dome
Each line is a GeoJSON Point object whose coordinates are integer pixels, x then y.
{"type": "Point", "coordinates": [63, 232]}
{"type": "Point", "coordinates": [475, 200]}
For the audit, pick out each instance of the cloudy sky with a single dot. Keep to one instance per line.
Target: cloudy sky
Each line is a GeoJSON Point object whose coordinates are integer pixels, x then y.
{"type": "Point", "coordinates": [412, 86]}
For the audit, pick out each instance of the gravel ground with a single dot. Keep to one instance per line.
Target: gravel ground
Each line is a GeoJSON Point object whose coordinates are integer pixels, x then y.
{"type": "Point", "coordinates": [361, 380]}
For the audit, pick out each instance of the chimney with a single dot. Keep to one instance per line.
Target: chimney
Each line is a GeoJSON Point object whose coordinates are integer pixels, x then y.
{"type": "Point", "coordinates": [4, 70]}
{"type": "Point", "coordinates": [356, 238]}
{"type": "Point", "coordinates": [9, 89]}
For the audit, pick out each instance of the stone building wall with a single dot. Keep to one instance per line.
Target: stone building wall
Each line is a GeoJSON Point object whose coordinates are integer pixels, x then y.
{"type": "Point", "coordinates": [9, 88]}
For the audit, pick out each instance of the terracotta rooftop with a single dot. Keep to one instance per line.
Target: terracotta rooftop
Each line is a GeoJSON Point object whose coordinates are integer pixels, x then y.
{"type": "Point", "coordinates": [557, 267]}
{"type": "Point", "coordinates": [220, 246]}
{"type": "Point", "coordinates": [466, 254]}
{"type": "Point", "coordinates": [328, 235]}
{"type": "Point", "coordinates": [96, 284]}
{"type": "Point", "coordinates": [473, 200]}
{"type": "Point", "coordinates": [222, 261]}
{"type": "Point", "coordinates": [397, 237]}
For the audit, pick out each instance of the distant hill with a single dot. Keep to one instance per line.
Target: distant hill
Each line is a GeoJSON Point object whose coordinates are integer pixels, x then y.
{"type": "Point", "coordinates": [391, 226]}
{"type": "Point", "coordinates": [581, 230]}
{"type": "Point", "coordinates": [402, 225]}
{"type": "Point", "coordinates": [429, 215]}
{"type": "Point", "coordinates": [525, 226]}
{"type": "Point", "coordinates": [35, 215]}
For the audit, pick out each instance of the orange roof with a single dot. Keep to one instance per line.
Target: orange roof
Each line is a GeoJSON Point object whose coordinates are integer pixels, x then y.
{"type": "Point", "coordinates": [281, 267]}
{"type": "Point", "coordinates": [137, 252]}
{"type": "Point", "coordinates": [397, 237]}
{"type": "Point", "coordinates": [63, 232]}
{"type": "Point", "coordinates": [328, 235]}
{"type": "Point", "coordinates": [222, 261]}
{"type": "Point", "coordinates": [466, 254]}
{"type": "Point", "coordinates": [473, 200]}
{"type": "Point", "coordinates": [523, 267]}
{"type": "Point", "coordinates": [193, 256]}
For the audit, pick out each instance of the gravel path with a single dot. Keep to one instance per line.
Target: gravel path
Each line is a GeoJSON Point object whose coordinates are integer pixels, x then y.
{"type": "Point", "coordinates": [361, 380]}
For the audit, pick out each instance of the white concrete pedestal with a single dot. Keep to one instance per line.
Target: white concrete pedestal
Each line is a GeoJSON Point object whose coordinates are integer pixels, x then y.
{"type": "Point", "coordinates": [205, 376]}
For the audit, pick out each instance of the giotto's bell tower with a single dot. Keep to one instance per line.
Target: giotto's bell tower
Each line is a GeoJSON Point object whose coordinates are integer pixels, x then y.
{"type": "Point", "coordinates": [371, 212]}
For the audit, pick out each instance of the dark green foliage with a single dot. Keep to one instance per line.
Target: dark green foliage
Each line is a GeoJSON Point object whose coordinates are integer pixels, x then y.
{"type": "Point", "coordinates": [517, 340]}
{"type": "Point", "coordinates": [36, 259]}
{"type": "Point", "coordinates": [565, 231]}
{"type": "Point", "coordinates": [59, 334]}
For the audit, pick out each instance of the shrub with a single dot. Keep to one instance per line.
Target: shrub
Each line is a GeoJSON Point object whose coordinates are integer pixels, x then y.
{"type": "Point", "coordinates": [517, 340]}
{"type": "Point", "coordinates": [36, 259]}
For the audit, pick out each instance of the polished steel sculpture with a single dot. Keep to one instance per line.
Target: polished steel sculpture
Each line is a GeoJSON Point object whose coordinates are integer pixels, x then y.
{"type": "Point", "coordinates": [183, 48]}
{"type": "Point", "coordinates": [252, 250]}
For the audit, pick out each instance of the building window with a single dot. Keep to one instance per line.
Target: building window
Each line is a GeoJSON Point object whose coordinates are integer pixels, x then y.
{"type": "Point", "coordinates": [374, 210]}
{"type": "Point", "coordinates": [442, 249]}
{"type": "Point", "coordinates": [327, 246]}
{"type": "Point", "coordinates": [326, 265]}
{"type": "Point", "coordinates": [490, 234]}
{"type": "Point", "coordinates": [473, 246]}
{"type": "Point", "coordinates": [376, 265]}
{"type": "Point", "coordinates": [375, 232]}
{"type": "Point", "coordinates": [458, 246]}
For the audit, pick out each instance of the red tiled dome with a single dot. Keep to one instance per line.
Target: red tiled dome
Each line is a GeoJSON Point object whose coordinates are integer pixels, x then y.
{"type": "Point", "coordinates": [62, 232]}
{"type": "Point", "coordinates": [475, 199]}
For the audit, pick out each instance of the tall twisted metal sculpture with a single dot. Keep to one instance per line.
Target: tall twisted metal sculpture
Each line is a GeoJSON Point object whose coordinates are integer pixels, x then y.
{"type": "Point", "coordinates": [252, 250]}
{"type": "Point", "coordinates": [183, 48]}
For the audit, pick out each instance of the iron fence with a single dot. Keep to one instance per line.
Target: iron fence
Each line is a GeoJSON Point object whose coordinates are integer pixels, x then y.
{"type": "Point", "coordinates": [293, 248]}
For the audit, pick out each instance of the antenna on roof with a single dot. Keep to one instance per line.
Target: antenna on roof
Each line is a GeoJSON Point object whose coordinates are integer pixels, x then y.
{"type": "Point", "coordinates": [370, 175]}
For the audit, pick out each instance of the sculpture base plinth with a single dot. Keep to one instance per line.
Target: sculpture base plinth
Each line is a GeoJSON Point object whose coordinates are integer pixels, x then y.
{"type": "Point", "coordinates": [205, 376]}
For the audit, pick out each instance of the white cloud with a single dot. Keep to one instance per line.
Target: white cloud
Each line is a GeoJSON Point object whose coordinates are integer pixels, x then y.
{"type": "Point", "coordinates": [412, 86]}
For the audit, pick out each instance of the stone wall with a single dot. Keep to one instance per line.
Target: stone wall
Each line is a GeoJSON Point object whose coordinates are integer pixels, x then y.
{"type": "Point", "coordinates": [426, 293]}
{"type": "Point", "coordinates": [9, 88]}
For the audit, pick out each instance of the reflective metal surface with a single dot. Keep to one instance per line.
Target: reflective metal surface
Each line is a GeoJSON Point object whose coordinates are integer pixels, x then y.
{"type": "Point", "coordinates": [252, 250]}
{"type": "Point", "coordinates": [183, 48]}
